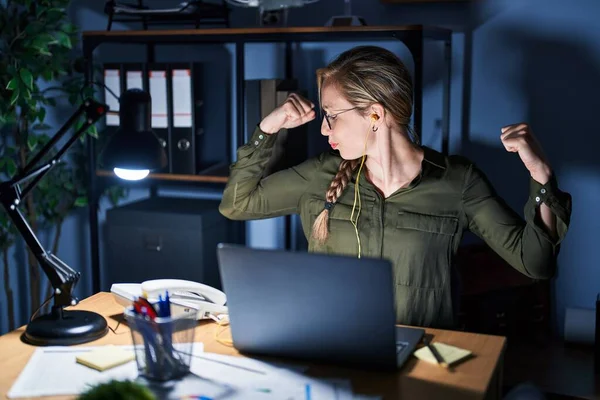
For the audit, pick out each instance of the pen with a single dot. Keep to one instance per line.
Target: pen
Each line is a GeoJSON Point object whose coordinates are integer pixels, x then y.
{"type": "Point", "coordinates": [438, 357]}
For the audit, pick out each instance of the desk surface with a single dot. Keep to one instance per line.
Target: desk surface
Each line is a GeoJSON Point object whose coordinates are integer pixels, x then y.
{"type": "Point", "coordinates": [477, 377]}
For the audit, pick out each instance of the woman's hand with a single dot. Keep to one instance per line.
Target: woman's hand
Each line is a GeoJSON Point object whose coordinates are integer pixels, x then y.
{"type": "Point", "coordinates": [518, 138]}
{"type": "Point", "coordinates": [295, 111]}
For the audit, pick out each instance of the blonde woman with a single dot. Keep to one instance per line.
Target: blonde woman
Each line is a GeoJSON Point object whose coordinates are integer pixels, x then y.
{"type": "Point", "coordinates": [379, 193]}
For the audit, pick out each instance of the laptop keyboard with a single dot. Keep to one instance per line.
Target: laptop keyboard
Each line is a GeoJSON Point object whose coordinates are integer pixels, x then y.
{"type": "Point", "coordinates": [400, 346]}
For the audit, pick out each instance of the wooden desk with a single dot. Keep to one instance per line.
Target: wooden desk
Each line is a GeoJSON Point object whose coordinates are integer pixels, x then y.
{"type": "Point", "coordinates": [476, 378]}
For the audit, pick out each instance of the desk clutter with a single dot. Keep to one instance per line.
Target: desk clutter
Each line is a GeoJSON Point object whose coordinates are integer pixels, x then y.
{"type": "Point", "coordinates": [170, 364]}
{"type": "Point", "coordinates": [55, 371]}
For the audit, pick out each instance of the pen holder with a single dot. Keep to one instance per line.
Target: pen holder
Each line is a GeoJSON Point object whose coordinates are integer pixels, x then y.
{"type": "Point", "coordinates": [163, 346]}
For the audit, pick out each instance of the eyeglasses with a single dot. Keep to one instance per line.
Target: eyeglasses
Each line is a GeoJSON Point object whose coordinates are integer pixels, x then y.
{"type": "Point", "coordinates": [330, 117]}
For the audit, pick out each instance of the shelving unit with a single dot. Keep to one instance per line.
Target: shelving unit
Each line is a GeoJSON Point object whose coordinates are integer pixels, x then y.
{"type": "Point", "coordinates": [413, 36]}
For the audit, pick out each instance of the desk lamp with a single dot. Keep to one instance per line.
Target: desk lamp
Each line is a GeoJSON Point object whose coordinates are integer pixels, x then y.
{"type": "Point", "coordinates": [69, 327]}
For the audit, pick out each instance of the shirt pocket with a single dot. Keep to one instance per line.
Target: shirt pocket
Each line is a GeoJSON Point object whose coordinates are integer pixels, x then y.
{"type": "Point", "coordinates": [424, 249]}
{"type": "Point", "coordinates": [342, 236]}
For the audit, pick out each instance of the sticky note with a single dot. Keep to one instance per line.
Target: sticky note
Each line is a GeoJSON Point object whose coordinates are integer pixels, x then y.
{"type": "Point", "coordinates": [106, 357]}
{"type": "Point", "coordinates": [450, 354]}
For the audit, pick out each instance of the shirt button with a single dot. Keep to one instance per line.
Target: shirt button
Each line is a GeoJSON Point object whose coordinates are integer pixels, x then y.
{"type": "Point", "coordinates": [543, 191]}
{"type": "Point", "coordinates": [261, 136]}
{"type": "Point", "coordinates": [256, 143]}
{"type": "Point", "coordinates": [537, 199]}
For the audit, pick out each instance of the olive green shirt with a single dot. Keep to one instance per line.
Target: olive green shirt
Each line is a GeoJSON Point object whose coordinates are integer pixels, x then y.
{"type": "Point", "coordinates": [418, 228]}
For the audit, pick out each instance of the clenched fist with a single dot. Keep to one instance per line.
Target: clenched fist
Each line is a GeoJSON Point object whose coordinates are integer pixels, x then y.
{"type": "Point", "coordinates": [518, 138]}
{"type": "Point", "coordinates": [295, 111]}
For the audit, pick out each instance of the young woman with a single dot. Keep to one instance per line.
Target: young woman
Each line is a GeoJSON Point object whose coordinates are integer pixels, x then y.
{"type": "Point", "coordinates": [379, 193]}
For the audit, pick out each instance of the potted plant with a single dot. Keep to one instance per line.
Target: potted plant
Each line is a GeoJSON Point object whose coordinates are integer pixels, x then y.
{"type": "Point", "coordinates": [118, 390]}
{"type": "Point", "coordinates": [40, 71]}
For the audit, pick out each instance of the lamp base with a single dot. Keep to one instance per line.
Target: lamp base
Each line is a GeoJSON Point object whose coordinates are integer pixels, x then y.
{"type": "Point", "coordinates": [65, 328]}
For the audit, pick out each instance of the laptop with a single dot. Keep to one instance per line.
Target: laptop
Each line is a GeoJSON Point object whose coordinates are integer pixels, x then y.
{"type": "Point", "coordinates": [332, 309]}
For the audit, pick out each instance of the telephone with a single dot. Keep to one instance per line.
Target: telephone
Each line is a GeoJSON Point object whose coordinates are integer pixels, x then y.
{"type": "Point", "coordinates": [184, 296]}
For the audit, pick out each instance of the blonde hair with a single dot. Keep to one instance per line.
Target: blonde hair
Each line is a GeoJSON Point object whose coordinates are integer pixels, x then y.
{"type": "Point", "coordinates": [365, 75]}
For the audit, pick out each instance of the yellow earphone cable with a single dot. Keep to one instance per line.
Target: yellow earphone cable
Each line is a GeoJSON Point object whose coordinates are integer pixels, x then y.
{"type": "Point", "coordinates": [219, 332]}
{"type": "Point", "coordinates": [357, 195]}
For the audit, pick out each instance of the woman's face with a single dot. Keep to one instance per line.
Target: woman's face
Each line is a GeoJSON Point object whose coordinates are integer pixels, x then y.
{"type": "Point", "coordinates": [349, 127]}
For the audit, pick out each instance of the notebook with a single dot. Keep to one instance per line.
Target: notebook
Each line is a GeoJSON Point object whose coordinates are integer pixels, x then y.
{"type": "Point", "coordinates": [106, 357]}
{"type": "Point", "coordinates": [450, 354]}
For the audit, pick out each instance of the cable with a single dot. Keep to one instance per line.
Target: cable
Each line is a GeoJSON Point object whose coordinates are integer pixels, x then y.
{"type": "Point", "coordinates": [357, 196]}
{"type": "Point", "coordinates": [40, 307]}
{"type": "Point", "coordinates": [221, 321]}
{"type": "Point", "coordinates": [101, 85]}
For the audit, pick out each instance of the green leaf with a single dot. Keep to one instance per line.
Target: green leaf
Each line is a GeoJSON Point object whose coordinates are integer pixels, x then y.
{"type": "Point", "coordinates": [47, 74]}
{"type": "Point", "coordinates": [27, 77]}
{"type": "Point", "coordinates": [12, 84]}
{"type": "Point", "coordinates": [69, 28]}
{"type": "Point", "coordinates": [54, 15]}
{"type": "Point", "coordinates": [81, 202]}
{"type": "Point", "coordinates": [41, 114]}
{"type": "Point", "coordinates": [93, 131]}
{"type": "Point", "coordinates": [31, 142]}
{"type": "Point", "coordinates": [63, 39]}
{"type": "Point", "coordinates": [34, 27]}
{"type": "Point", "coordinates": [42, 41]}
{"type": "Point", "coordinates": [11, 167]}
{"type": "Point", "coordinates": [15, 96]}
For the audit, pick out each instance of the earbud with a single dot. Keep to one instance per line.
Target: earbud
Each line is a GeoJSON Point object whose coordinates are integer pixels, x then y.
{"type": "Point", "coordinates": [374, 117]}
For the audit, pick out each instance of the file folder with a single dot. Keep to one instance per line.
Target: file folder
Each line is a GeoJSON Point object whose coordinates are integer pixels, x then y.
{"type": "Point", "coordinates": [184, 93]}
{"type": "Point", "coordinates": [112, 80]}
{"type": "Point", "coordinates": [134, 79]}
{"type": "Point", "coordinates": [158, 75]}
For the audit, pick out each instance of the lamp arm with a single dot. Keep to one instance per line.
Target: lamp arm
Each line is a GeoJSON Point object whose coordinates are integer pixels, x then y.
{"type": "Point", "coordinates": [62, 277]}
{"type": "Point", "coordinates": [93, 112]}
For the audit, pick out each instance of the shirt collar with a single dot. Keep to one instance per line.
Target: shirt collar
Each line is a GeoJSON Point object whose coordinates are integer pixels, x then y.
{"type": "Point", "coordinates": [434, 157]}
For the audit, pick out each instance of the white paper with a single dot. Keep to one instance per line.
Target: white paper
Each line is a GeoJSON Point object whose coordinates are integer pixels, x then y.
{"type": "Point", "coordinates": [182, 98]}
{"type": "Point", "coordinates": [54, 371]}
{"type": "Point", "coordinates": [158, 93]}
{"type": "Point", "coordinates": [113, 82]}
{"type": "Point", "coordinates": [257, 379]}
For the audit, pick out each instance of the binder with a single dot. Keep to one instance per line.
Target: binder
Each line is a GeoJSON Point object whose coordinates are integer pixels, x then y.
{"type": "Point", "coordinates": [134, 76]}
{"type": "Point", "coordinates": [157, 76]}
{"type": "Point", "coordinates": [112, 80]}
{"type": "Point", "coordinates": [184, 93]}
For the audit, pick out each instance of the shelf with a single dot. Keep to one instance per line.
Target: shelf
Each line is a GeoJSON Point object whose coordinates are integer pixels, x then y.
{"type": "Point", "coordinates": [308, 33]}
{"type": "Point", "coordinates": [175, 178]}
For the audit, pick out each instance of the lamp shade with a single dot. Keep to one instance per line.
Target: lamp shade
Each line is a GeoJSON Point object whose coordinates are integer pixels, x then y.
{"type": "Point", "coordinates": [134, 146]}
